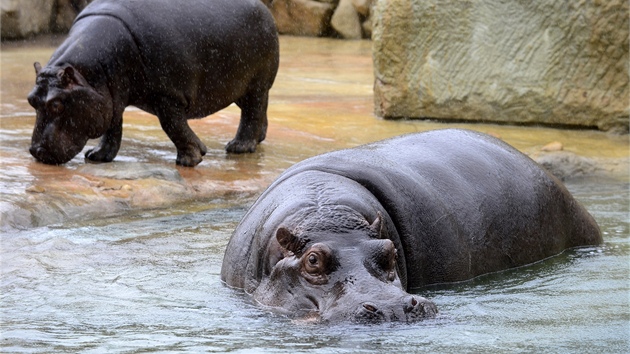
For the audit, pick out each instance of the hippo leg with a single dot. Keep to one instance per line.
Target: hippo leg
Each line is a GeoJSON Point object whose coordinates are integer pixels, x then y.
{"type": "Point", "coordinates": [189, 148]}
{"type": "Point", "coordinates": [107, 148]}
{"type": "Point", "coordinates": [253, 126]}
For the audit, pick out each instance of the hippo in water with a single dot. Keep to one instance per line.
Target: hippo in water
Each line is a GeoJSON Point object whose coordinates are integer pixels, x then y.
{"type": "Point", "coordinates": [345, 235]}
{"type": "Point", "coordinates": [177, 60]}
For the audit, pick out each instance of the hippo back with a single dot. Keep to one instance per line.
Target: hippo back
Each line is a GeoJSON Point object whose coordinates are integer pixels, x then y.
{"type": "Point", "coordinates": [185, 49]}
{"type": "Point", "coordinates": [462, 203]}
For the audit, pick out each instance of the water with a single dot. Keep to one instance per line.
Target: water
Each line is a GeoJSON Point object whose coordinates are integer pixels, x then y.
{"type": "Point", "coordinates": [89, 266]}
{"type": "Point", "coordinates": [150, 282]}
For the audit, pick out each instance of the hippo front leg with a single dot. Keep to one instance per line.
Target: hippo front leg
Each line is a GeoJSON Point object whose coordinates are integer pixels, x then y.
{"type": "Point", "coordinates": [189, 148]}
{"type": "Point", "coordinates": [253, 126]}
{"type": "Point", "coordinates": [108, 147]}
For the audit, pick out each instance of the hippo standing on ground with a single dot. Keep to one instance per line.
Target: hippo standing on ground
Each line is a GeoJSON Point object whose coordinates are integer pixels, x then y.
{"type": "Point", "coordinates": [344, 235]}
{"type": "Point", "coordinates": [175, 59]}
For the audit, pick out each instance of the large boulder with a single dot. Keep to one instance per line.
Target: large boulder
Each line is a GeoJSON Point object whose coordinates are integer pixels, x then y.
{"type": "Point", "coordinates": [539, 61]}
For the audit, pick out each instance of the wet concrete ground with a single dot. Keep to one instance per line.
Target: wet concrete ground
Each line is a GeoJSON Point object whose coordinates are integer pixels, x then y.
{"type": "Point", "coordinates": [321, 101]}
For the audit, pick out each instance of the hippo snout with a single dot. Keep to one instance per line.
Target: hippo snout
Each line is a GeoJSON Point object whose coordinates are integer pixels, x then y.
{"type": "Point", "coordinates": [417, 308]}
{"type": "Point", "coordinates": [412, 309]}
{"type": "Point", "coordinates": [41, 155]}
{"type": "Point", "coordinates": [54, 155]}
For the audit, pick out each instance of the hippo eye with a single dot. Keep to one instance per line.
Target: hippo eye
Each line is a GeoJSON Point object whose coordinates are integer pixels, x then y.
{"type": "Point", "coordinates": [313, 264]}
{"type": "Point", "coordinates": [312, 259]}
{"type": "Point", "coordinates": [318, 263]}
{"type": "Point", "coordinates": [56, 106]}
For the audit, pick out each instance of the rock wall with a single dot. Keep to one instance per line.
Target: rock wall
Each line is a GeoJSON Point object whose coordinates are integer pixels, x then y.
{"type": "Point", "coordinates": [20, 18]}
{"type": "Point", "coordinates": [348, 19]}
{"type": "Point", "coordinates": [339, 18]}
{"type": "Point", "coordinates": [527, 61]}
{"type": "Point", "coordinates": [24, 18]}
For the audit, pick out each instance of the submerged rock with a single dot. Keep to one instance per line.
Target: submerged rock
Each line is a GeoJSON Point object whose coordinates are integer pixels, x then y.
{"type": "Point", "coordinates": [567, 165]}
{"type": "Point", "coordinates": [131, 171]}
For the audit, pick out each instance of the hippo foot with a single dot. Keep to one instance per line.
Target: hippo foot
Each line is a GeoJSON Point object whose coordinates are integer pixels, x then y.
{"type": "Point", "coordinates": [100, 155]}
{"type": "Point", "coordinates": [191, 157]}
{"type": "Point", "coordinates": [240, 147]}
{"type": "Point", "coordinates": [263, 134]}
{"type": "Point", "coordinates": [188, 159]}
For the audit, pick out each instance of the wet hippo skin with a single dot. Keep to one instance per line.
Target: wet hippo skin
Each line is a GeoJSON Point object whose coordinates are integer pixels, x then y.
{"type": "Point", "coordinates": [173, 60]}
{"type": "Point", "coordinates": [345, 235]}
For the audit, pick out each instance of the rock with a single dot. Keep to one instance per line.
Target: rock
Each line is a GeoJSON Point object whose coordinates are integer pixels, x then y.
{"type": "Point", "coordinates": [540, 61]}
{"type": "Point", "coordinates": [367, 27]}
{"type": "Point", "coordinates": [362, 6]}
{"type": "Point", "coordinates": [553, 146]}
{"type": "Point", "coordinates": [566, 165]}
{"type": "Point", "coordinates": [302, 17]}
{"type": "Point", "coordinates": [36, 189]}
{"type": "Point", "coordinates": [66, 12]}
{"type": "Point", "coordinates": [23, 18]}
{"type": "Point", "coordinates": [346, 20]}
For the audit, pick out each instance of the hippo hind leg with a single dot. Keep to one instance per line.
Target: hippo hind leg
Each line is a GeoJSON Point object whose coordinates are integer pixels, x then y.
{"type": "Point", "coordinates": [253, 126]}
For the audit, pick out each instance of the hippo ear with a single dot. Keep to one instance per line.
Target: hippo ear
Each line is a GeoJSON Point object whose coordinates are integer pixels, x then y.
{"type": "Point", "coordinates": [290, 242]}
{"type": "Point", "coordinates": [38, 67]}
{"type": "Point", "coordinates": [70, 77]}
{"type": "Point", "coordinates": [377, 224]}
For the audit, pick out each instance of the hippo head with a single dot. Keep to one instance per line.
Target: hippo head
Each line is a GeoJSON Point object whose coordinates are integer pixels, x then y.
{"type": "Point", "coordinates": [352, 277]}
{"type": "Point", "coordinates": [69, 112]}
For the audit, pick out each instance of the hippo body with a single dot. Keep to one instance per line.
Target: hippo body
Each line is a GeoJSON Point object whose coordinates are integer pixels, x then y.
{"type": "Point", "coordinates": [345, 235]}
{"type": "Point", "coordinates": [172, 59]}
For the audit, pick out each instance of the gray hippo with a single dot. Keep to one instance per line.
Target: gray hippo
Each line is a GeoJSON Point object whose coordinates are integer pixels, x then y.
{"type": "Point", "coordinates": [177, 60]}
{"type": "Point", "coordinates": [343, 236]}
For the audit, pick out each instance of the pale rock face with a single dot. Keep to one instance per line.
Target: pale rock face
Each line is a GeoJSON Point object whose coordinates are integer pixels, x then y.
{"type": "Point", "coordinates": [539, 61]}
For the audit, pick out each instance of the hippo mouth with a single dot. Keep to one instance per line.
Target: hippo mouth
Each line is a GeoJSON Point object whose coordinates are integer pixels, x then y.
{"type": "Point", "coordinates": [410, 309]}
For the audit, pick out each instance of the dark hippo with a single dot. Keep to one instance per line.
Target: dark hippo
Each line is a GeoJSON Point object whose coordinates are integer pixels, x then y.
{"type": "Point", "coordinates": [344, 235]}
{"type": "Point", "coordinates": [177, 60]}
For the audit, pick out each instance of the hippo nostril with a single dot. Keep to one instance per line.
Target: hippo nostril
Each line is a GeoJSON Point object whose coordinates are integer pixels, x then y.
{"type": "Point", "coordinates": [418, 308]}
{"type": "Point", "coordinates": [369, 307]}
{"type": "Point", "coordinates": [36, 151]}
{"type": "Point", "coordinates": [313, 301]}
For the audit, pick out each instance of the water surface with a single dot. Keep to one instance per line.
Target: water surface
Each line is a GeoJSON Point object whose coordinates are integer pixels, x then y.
{"type": "Point", "coordinates": [151, 282]}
